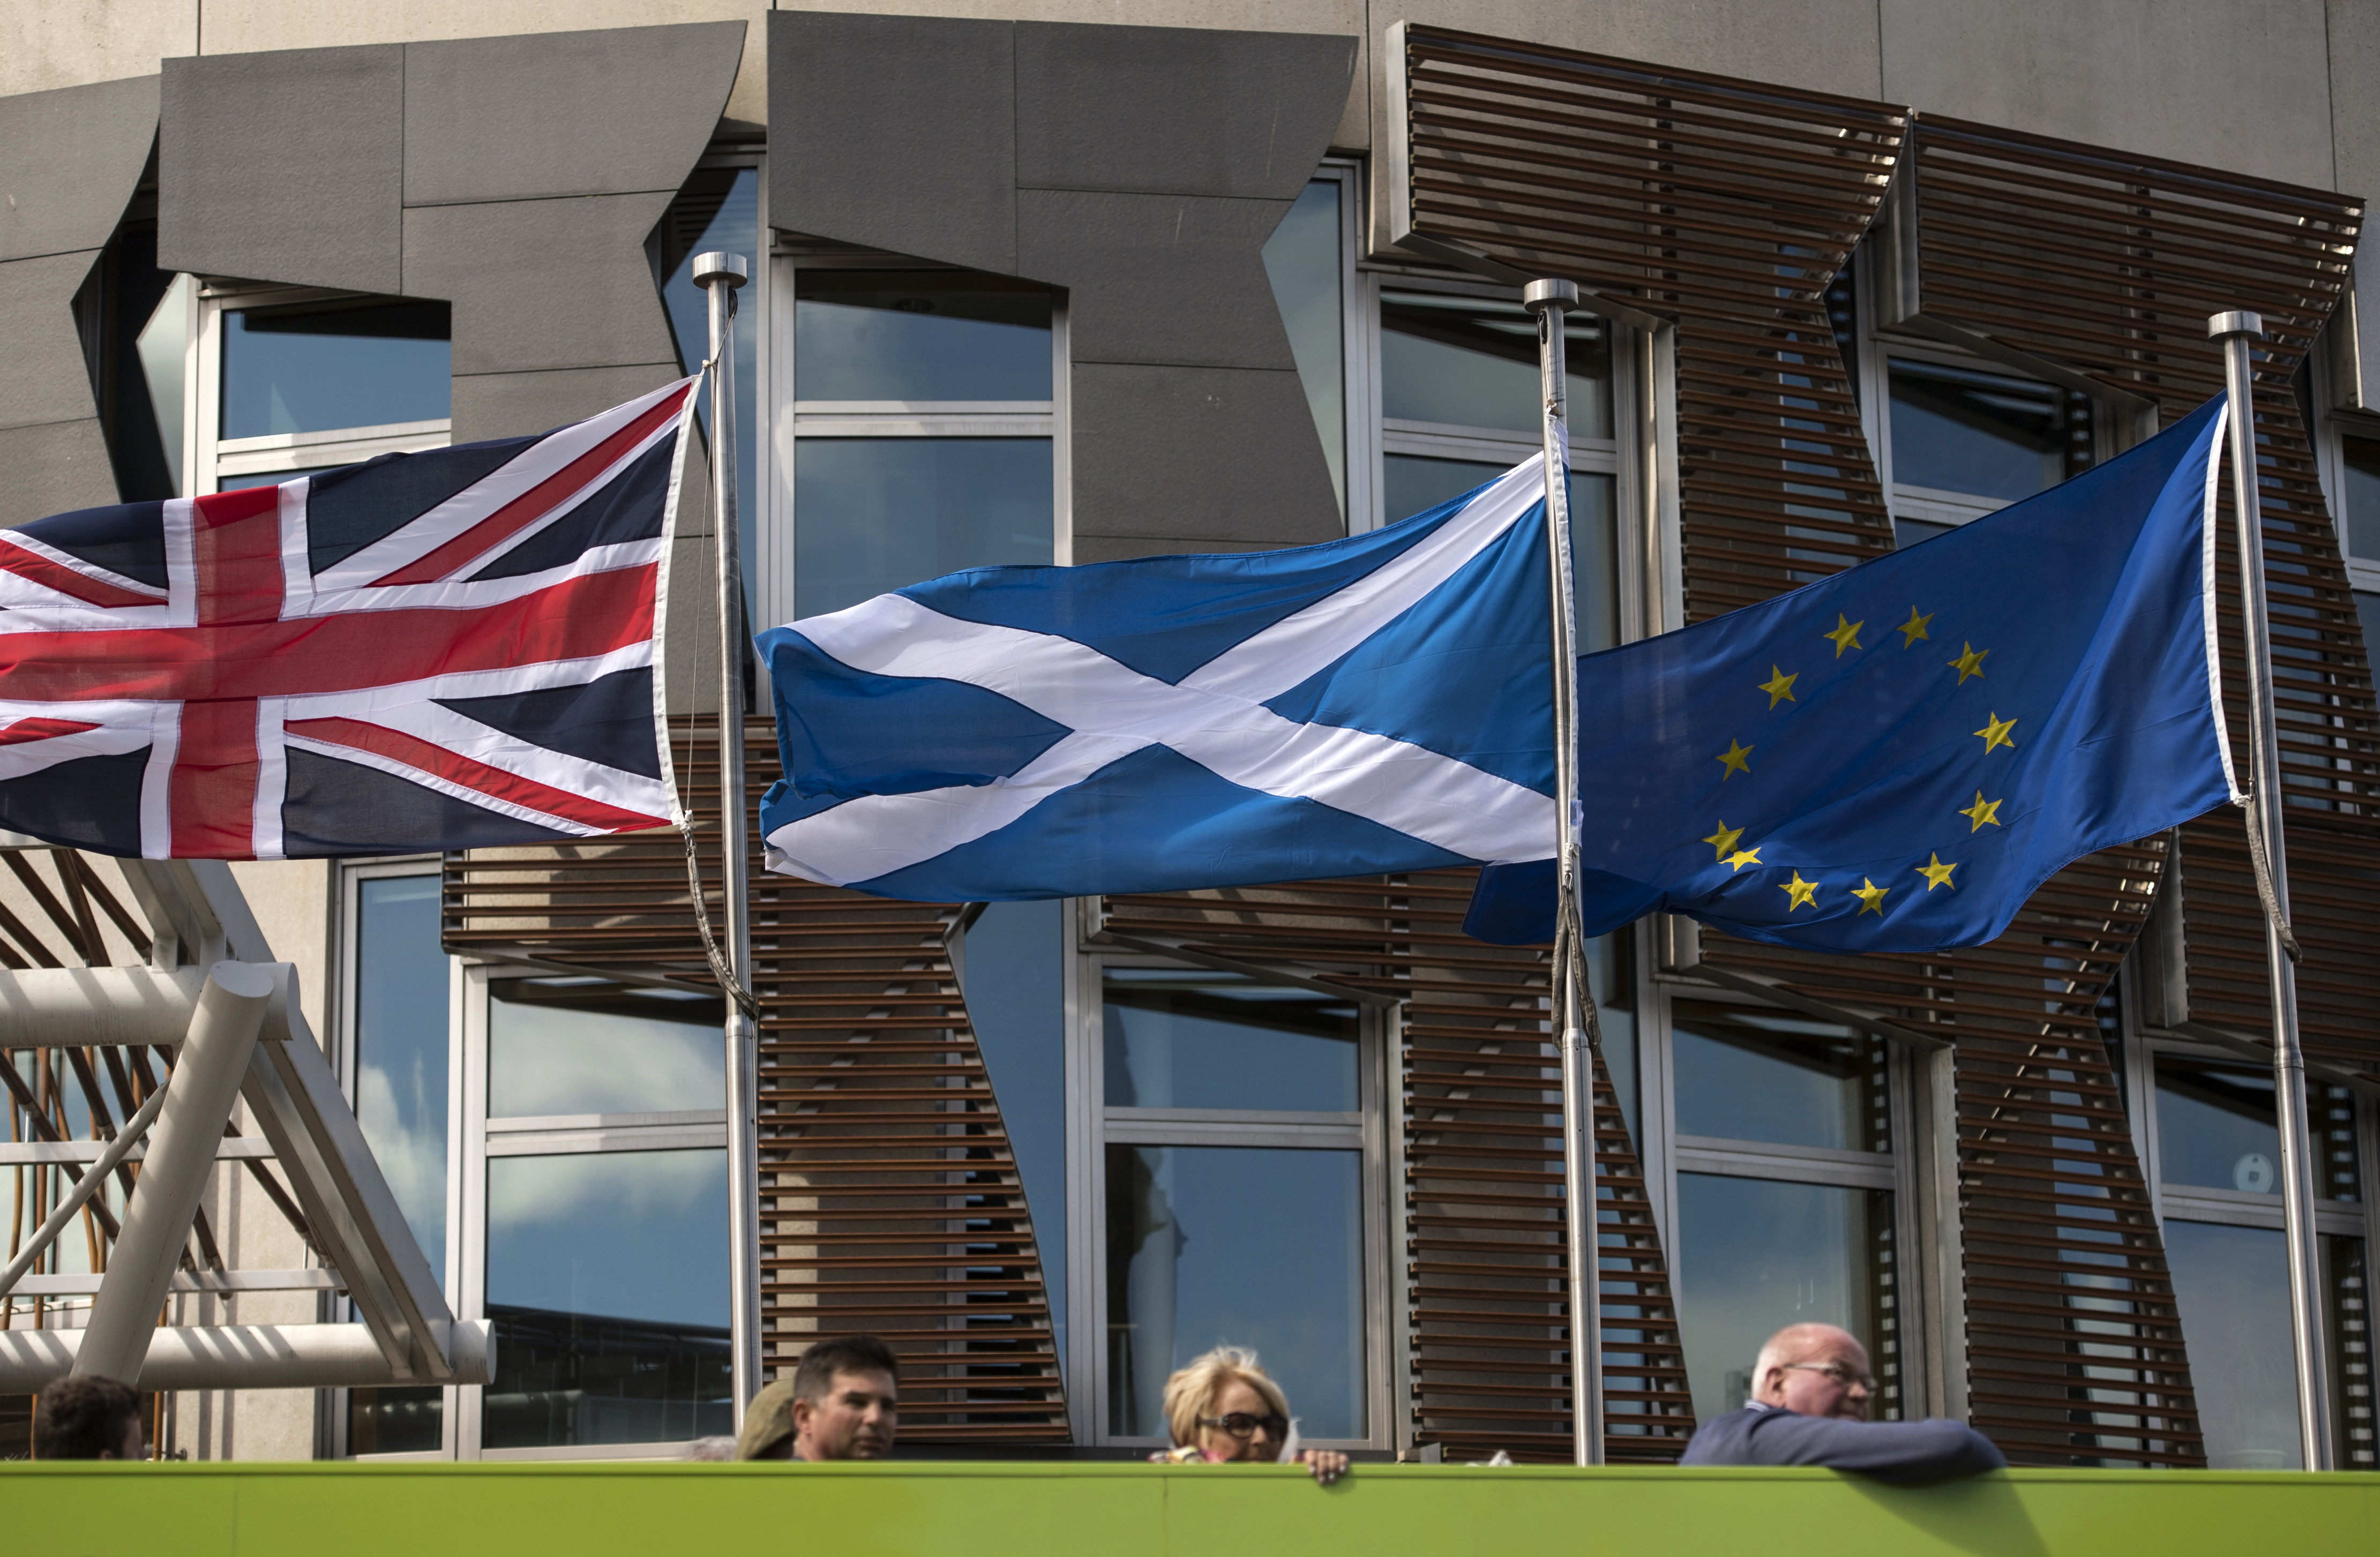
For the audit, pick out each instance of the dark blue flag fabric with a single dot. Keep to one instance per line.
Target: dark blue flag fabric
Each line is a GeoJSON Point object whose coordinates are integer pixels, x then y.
{"type": "Point", "coordinates": [1894, 758]}
{"type": "Point", "coordinates": [1383, 702]}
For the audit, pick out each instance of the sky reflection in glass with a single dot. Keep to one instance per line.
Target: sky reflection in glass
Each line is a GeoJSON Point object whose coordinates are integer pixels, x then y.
{"type": "Point", "coordinates": [316, 367]}
{"type": "Point", "coordinates": [875, 514]}
{"type": "Point", "coordinates": [930, 335]}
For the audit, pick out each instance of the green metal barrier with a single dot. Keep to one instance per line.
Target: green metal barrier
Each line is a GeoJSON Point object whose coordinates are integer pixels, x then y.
{"type": "Point", "coordinates": [340, 1510]}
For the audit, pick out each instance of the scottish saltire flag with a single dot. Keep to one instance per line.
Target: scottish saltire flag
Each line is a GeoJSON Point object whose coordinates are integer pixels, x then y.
{"type": "Point", "coordinates": [1894, 758]}
{"type": "Point", "coordinates": [1379, 703]}
{"type": "Point", "coordinates": [434, 650]}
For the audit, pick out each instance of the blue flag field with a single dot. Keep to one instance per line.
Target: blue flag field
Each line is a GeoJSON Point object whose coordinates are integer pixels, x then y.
{"type": "Point", "coordinates": [1894, 758]}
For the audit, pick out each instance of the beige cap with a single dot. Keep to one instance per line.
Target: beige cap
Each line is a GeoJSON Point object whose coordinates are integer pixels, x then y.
{"type": "Point", "coordinates": [767, 1422]}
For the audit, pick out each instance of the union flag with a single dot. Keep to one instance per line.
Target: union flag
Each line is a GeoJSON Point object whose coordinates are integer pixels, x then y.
{"type": "Point", "coordinates": [450, 650]}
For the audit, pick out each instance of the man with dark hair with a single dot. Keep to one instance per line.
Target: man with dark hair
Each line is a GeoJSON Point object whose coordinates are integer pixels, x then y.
{"type": "Point", "coordinates": [81, 1417]}
{"type": "Point", "coordinates": [1809, 1407]}
{"type": "Point", "coordinates": [846, 1400]}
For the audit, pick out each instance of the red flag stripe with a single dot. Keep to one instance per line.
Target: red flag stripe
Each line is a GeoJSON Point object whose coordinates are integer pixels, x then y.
{"type": "Point", "coordinates": [29, 565]}
{"type": "Point", "coordinates": [36, 728]}
{"type": "Point", "coordinates": [236, 540]}
{"type": "Point", "coordinates": [469, 772]}
{"type": "Point", "coordinates": [577, 619]}
{"type": "Point", "coordinates": [537, 502]}
{"type": "Point", "coordinates": [212, 792]}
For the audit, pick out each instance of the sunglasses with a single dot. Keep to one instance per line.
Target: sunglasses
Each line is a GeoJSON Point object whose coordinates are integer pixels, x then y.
{"type": "Point", "coordinates": [1240, 1423]}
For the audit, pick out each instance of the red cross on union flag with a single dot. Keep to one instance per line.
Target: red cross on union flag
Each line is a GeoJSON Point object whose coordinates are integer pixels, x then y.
{"type": "Point", "coordinates": [429, 651]}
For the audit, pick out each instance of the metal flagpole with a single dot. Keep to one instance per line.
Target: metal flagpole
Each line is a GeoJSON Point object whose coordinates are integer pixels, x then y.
{"type": "Point", "coordinates": [2235, 331]}
{"type": "Point", "coordinates": [1573, 1002]}
{"type": "Point", "coordinates": [720, 275]}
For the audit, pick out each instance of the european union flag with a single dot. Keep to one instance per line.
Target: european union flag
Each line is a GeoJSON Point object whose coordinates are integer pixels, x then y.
{"type": "Point", "coordinates": [1894, 758]}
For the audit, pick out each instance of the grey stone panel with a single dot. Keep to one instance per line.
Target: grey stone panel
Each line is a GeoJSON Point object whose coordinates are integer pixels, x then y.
{"type": "Point", "coordinates": [47, 378]}
{"type": "Point", "coordinates": [543, 283]}
{"type": "Point", "coordinates": [1198, 460]}
{"type": "Point", "coordinates": [284, 166]}
{"type": "Point", "coordinates": [1158, 278]}
{"type": "Point", "coordinates": [516, 405]}
{"type": "Point", "coordinates": [897, 132]}
{"type": "Point", "coordinates": [690, 631]}
{"type": "Point", "coordinates": [70, 161]}
{"type": "Point", "coordinates": [53, 468]}
{"type": "Point", "coordinates": [596, 113]}
{"type": "Point", "coordinates": [1176, 110]}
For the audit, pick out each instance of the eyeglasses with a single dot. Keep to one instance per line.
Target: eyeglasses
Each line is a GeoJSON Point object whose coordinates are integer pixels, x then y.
{"type": "Point", "coordinates": [1838, 1372]}
{"type": "Point", "coordinates": [1239, 1423]}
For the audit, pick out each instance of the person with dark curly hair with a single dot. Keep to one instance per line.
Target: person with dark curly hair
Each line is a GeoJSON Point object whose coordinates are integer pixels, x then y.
{"type": "Point", "coordinates": [82, 1418]}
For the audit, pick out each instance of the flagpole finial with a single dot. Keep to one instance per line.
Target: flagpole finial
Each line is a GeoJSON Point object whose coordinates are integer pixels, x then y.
{"type": "Point", "coordinates": [2238, 322]}
{"type": "Point", "coordinates": [1538, 296]}
{"type": "Point", "coordinates": [718, 265]}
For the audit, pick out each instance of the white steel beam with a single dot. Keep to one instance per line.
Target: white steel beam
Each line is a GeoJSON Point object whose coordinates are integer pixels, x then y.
{"type": "Point", "coordinates": [245, 1356]}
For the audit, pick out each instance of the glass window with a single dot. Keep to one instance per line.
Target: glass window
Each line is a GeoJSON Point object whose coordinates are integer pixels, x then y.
{"type": "Point", "coordinates": [1755, 1254]}
{"type": "Point", "coordinates": [163, 346]}
{"type": "Point", "coordinates": [1744, 1073]}
{"type": "Point", "coordinates": [718, 209]}
{"type": "Point", "coordinates": [2360, 503]}
{"type": "Point", "coordinates": [876, 514]}
{"type": "Point", "coordinates": [1415, 483]}
{"type": "Point", "coordinates": [401, 1067]}
{"type": "Point", "coordinates": [1254, 1247]}
{"type": "Point", "coordinates": [607, 1285]}
{"type": "Point", "coordinates": [1970, 431]}
{"type": "Point", "coordinates": [919, 335]}
{"type": "Point", "coordinates": [2347, 1311]}
{"type": "Point", "coordinates": [2231, 1286]}
{"type": "Point", "coordinates": [1468, 362]}
{"type": "Point", "coordinates": [270, 477]}
{"type": "Point", "coordinates": [555, 1048]}
{"type": "Point", "coordinates": [316, 367]}
{"type": "Point", "coordinates": [1013, 977]}
{"type": "Point", "coordinates": [2217, 1128]}
{"type": "Point", "coordinates": [1303, 259]}
{"type": "Point", "coordinates": [1183, 1039]}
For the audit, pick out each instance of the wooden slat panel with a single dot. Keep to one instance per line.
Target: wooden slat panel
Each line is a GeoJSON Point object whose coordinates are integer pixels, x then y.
{"type": "Point", "coordinates": [889, 1199]}
{"type": "Point", "coordinates": [1725, 207]}
{"type": "Point", "coordinates": [1484, 1247]}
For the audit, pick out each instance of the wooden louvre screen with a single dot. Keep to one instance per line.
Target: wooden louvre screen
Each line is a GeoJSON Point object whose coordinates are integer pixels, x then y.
{"type": "Point", "coordinates": [1725, 208]}
{"type": "Point", "coordinates": [1483, 1257]}
{"type": "Point", "coordinates": [2112, 271]}
{"type": "Point", "coordinates": [890, 1197]}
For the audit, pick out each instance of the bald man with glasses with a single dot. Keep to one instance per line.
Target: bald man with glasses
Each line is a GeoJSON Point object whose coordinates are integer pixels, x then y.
{"type": "Point", "coordinates": [1809, 1405]}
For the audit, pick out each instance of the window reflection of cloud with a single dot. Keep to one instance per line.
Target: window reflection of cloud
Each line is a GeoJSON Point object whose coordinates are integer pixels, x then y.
{"type": "Point", "coordinates": [411, 1150]}
{"type": "Point", "coordinates": [627, 1185]}
{"type": "Point", "coordinates": [546, 1060]}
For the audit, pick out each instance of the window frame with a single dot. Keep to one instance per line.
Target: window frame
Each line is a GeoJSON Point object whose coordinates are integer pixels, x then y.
{"type": "Point", "coordinates": [1383, 437]}
{"type": "Point", "coordinates": [1665, 1152]}
{"type": "Point", "coordinates": [346, 985]}
{"type": "Point", "coordinates": [788, 419]}
{"type": "Point", "coordinates": [1093, 1125]}
{"type": "Point", "coordinates": [208, 457]}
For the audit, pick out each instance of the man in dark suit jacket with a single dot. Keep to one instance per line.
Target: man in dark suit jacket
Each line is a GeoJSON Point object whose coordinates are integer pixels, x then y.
{"type": "Point", "coordinates": [1809, 1407]}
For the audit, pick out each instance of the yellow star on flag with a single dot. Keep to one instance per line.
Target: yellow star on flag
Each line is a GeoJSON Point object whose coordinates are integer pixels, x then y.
{"type": "Point", "coordinates": [1913, 628]}
{"type": "Point", "coordinates": [1736, 759]}
{"type": "Point", "coordinates": [1937, 874]}
{"type": "Point", "coordinates": [1996, 733]}
{"type": "Point", "coordinates": [1801, 891]}
{"type": "Point", "coordinates": [1724, 839]}
{"type": "Point", "coordinates": [1846, 634]}
{"type": "Point", "coordinates": [1871, 896]}
{"type": "Point", "coordinates": [1982, 812]}
{"type": "Point", "coordinates": [1743, 858]}
{"type": "Point", "coordinates": [1969, 663]}
{"type": "Point", "coordinates": [1780, 687]}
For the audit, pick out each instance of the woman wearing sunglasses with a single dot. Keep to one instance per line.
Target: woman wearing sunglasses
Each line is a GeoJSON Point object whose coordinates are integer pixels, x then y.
{"type": "Point", "coordinates": [1224, 1408]}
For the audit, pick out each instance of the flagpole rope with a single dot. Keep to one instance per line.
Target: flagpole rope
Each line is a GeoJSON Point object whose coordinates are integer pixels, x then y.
{"type": "Point", "coordinates": [729, 984]}
{"type": "Point", "coordinates": [2263, 870]}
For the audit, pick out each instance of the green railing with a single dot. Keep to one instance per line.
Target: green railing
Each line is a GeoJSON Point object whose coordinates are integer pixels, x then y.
{"type": "Point", "coordinates": [333, 1510]}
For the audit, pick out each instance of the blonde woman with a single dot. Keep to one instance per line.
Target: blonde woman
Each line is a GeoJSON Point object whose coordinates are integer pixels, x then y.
{"type": "Point", "coordinates": [1223, 1408]}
